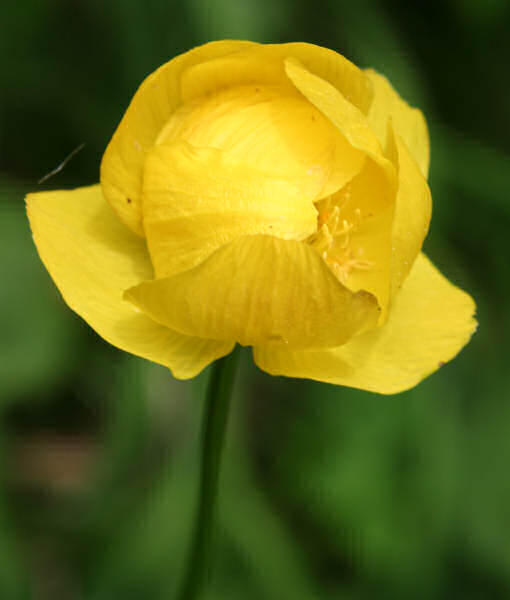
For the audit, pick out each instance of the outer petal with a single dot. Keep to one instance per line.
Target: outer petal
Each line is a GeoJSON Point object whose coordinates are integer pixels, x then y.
{"type": "Point", "coordinates": [334, 68]}
{"type": "Point", "coordinates": [93, 258]}
{"type": "Point", "coordinates": [413, 210]}
{"type": "Point", "coordinates": [156, 99]}
{"type": "Point", "coordinates": [259, 289]}
{"type": "Point", "coordinates": [408, 122]}
{"type": "Point", "coordinates": [264, 64]}
{"type": "Point", "coordinates": [255, 65]}
{"type": "Point", "coordinates": [430, 322]}
{"type": "Point", "coordinates": [196, 200]}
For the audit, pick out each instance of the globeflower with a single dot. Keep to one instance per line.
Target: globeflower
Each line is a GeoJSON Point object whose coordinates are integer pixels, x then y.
{"type": "Point", "coordinates": [273, 196]}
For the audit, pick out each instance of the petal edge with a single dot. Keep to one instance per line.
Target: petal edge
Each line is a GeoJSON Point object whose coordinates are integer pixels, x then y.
{"type": "Point", "coordinates": [92, 257]}
{"type": "Point", "coordinates": [429, 324]}
{"type": "Point", "coordinates": [259, 289]}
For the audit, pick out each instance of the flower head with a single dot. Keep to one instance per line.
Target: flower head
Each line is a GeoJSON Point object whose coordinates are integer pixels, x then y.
{"type": "Point", "coordinates": [270, 195]}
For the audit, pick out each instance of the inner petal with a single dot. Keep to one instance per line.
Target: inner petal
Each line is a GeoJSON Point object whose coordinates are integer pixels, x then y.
{"type": "Point", "coordinates": [197, 199]}
{"type": "Point", "coordinates": [272, 128]}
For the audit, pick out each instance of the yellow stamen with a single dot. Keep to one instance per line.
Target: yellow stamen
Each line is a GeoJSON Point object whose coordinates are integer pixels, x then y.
{"type": "Point", "coordinates": [333, 239]}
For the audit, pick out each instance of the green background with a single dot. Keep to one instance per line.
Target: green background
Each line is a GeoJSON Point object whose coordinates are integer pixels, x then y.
{"type": "Point", "coordinates": [326, 492]}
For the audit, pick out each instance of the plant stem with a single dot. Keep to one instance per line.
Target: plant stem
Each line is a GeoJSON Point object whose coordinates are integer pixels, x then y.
{"type": "Point", "coordinates": [214, 424]}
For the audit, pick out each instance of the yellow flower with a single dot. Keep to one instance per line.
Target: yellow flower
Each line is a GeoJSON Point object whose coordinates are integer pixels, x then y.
{"type": "Point", "coordinates": [270, 195]}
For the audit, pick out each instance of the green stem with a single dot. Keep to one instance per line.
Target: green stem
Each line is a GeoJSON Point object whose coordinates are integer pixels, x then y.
{"type": "Point", "coordinates": [216, 410]}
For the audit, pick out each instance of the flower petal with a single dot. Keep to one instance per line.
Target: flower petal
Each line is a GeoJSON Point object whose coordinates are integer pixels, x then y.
{"type": "Point", "coordinates": [334, 68]}
{"type": "Point", "coordinates": [156, 99]}
{"type": "Point", "coordinates": [263, 64]}
{"type": "Point", "coordinates": [93, 258]}
{"type": "Point", "coordinates": [408, 122]}
{"type": "Point", "coordinates": [344, 115]}
{"type": "Point", "coordinates": [430, 321]}
{"type": "Point", "coordinates": [271, 128]}
{"type": "Point", "coordinates": [259, 289]}
{"type": "Point", "coordinates": [197, 199]}
{"type": "Point", "coordinates": [255, 65]}
{"type": "Point", "coordinates": [244, 103]}
{"type": "Point", "coordinates": [413, 210]}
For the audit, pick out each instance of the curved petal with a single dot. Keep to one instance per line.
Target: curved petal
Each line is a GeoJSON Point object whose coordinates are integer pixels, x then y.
{"type": "Point", "coordinates": [344, 115]}
{"type": "Point", "coordinates": [334, 68]}
{"type": "Point", "coordinates": [272, 129]}
{"type": "Point", "coordinates": [255, 65]}
{"type": "Point", "coordinates": [197, 199]}
{"type": "Point", "coordinates": [156, 99]}
{"type": "Point", "coordinates": [413, 209]}
{"type": "Point", "coordinates": [408, 122]}
{"type": "Point", "coordinates": [263, 64]}
{"type": "Point", "coordinates": [430, 322]}
{"type": "Point", "coordinates": [259, 289]}
{"type": "Point", "coordinates": [93, 258]}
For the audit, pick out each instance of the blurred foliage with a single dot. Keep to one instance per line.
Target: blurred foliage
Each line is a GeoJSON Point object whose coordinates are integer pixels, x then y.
{"type": "Point", "coordinates": [327, 492]}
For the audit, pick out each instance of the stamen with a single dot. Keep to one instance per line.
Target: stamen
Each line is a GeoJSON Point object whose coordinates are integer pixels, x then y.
{"type": "Point", "coordinates": [333, 239]}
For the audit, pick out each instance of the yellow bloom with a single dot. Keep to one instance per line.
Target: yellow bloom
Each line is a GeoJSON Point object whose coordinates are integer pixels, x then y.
{"type": "Point", "coordinates": [271, 195]}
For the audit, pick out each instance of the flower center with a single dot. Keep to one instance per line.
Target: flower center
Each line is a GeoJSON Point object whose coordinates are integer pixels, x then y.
{"type": "Point", "coordinates": [332, 240]}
